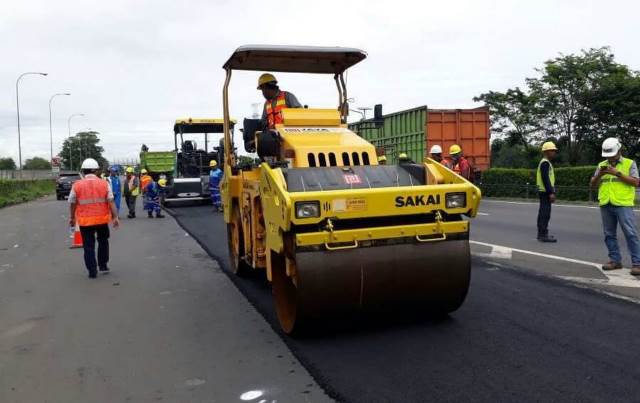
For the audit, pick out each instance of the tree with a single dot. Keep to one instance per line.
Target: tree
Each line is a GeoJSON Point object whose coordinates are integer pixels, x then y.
{"type": "Point", "coordinates": [513, 114]}
{"type": "Point", "coordinates": [7, 164]}
{"type": "Point", "coordinates": [565, 84]}
{"type": "Point", "coordinates": [36, 163]}
{"type": "Point", "coordinates": [79, 147]}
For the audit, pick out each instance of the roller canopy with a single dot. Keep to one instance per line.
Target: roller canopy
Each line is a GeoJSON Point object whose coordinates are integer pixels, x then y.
{"type": "Point", "coordinates": [294, 59]}
{"type": "Point", "coordinates": [190, 125]}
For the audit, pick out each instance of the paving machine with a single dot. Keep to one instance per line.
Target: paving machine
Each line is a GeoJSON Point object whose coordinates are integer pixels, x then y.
{"type": "Point", "coordinates": [189, 179]}
{"type": "Point", "coordinates": [336, 232]}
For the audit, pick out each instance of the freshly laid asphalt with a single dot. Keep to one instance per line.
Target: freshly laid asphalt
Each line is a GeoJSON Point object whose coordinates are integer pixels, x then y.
{"type": "Point", "coordinates": [520, 336]}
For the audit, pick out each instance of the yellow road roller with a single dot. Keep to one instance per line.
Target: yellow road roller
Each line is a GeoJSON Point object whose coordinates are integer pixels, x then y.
{"type": "Point", "coordinates": [336, 232]}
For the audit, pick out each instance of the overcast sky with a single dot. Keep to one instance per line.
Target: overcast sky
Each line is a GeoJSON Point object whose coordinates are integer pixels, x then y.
{"type": "Point", "coordinates": [133, 67]}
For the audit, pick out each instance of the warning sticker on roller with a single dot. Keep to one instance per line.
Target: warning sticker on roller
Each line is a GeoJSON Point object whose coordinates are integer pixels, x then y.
{"type": "Point", "coordinates": [352, 179]}
{"type": "Point", "coordinates": [348, 205]}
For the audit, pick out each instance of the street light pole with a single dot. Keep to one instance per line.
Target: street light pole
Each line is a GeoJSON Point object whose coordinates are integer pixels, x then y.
{"type": "Point", "coordinates": [18, 111]}
{"type": "Point", "coordinates": [51, 126]}
{"type": "Point", "coordinates": [69, 126]}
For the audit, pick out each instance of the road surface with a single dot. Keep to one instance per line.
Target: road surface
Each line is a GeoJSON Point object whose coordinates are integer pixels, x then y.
{"type": "Point", "coordinates": [165, 325]}
{"type": "Point", "coordinates": [522, 335]}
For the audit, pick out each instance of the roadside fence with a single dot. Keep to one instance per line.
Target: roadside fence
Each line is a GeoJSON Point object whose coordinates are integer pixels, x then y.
{"type": "Point", "coordinates": [26, 174]}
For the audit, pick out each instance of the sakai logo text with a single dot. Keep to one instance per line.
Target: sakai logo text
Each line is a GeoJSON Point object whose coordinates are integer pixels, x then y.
{"type": "Point", "coordinates": [417, 200]}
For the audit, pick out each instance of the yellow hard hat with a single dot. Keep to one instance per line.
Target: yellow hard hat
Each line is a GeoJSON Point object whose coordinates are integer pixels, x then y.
{"type": "Point", "coordinates": [382, 158]}
{"type": "Point", "coordinates": [144, 171]}
{"type": "Point", "coordinates": [162, 182]}
{"type": "Point", "coordinates": [266, 78]}
{"type": "Point", "coordinates": [129, 170]}
{"type": "Point", "coordinates": [402, 156]}
{"type": "Point", "coordinates": [455, 149]}
{"type": "Point", "coordinates": [549, 146]}
{"type": "Point", "coordinates": [213, 163]}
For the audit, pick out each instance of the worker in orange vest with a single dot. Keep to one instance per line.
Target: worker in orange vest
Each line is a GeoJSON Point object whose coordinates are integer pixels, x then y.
{"type": "Point", "coordinates": [276, 101]}
{"type": "Point", "coordinates": [91, 206]}
{"type": "Point", "coordinates": [459, 163]}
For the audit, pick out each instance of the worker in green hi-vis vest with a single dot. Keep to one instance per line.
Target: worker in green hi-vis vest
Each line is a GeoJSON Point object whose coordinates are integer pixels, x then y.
{"type": "Point", "coordinates": [617, 177]}
{"type": "Point", "coordinates": [546, 182]}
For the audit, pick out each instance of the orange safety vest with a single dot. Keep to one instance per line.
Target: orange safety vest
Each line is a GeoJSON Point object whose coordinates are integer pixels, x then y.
{"type": "Point", "coordinates": [274, 114]}
{"type": "Point", "coordinates": [91, 199]}
{"type": "Point", "coordinates": [462, 167]}
{"type": "Point", "coordinates": [144, 181]}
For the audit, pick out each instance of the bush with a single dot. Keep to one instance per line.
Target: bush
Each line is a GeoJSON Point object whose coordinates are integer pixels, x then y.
{"type": "Point", "coordinates": [18, 191]}
{"type": "Point", "coordinates": [572, 183]}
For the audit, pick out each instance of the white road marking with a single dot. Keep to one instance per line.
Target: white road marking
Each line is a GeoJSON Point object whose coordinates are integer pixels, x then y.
{"type": "Point", "coordinates": [480, 213]}
{"type": "Point", "coordinates": [535, 204]}
{"type": "Point", "coordinates": [620, 278]}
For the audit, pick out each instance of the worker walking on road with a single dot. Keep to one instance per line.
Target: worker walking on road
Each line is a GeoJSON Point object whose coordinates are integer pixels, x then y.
{"type": "Point", "coordinates": [91, 206]}
{"type": "Point", "coordinates": [215, 177]}
{"type": "Point", "coordinates": [131, 191]}
{"type": "Point", "coordinates": [116, 186]}
{"type": "Point", "coordinates": [275, 101]}
{"type": "Point", "coordinates": [436, 153]}
{"type": "Point", "coordinates": [152, 198]}
{"type": "Point", "coordinates": [618, 180]}
{"type": "Point", "coordinates": [459, 163]}
{"type": "Point", "coordinates": [546, 180]}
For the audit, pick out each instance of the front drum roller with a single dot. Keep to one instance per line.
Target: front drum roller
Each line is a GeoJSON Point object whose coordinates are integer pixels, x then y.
{"type": "Point", "coordinates": [428, 278]}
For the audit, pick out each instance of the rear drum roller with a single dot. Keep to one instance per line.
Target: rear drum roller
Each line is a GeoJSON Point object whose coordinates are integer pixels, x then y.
{"type": "Point", "coordinates": [285, 294]}
{"type": "Point", "coordinates": [235, 241]}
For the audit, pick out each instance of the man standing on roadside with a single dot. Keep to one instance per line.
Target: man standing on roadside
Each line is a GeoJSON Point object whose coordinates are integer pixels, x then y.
{"type": "Point", "coordinates": [546, 181]}
{"type": "Point", "coordinates": [618, 180]}
{"type": "Point", "coordinates": [131, 191]}
{"type": "Point", "coordinates": [91, 206]}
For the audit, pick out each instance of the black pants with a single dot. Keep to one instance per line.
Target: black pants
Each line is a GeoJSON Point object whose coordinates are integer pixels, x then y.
{"type": "Point", "coordinates": [131, 203]}
{"type": "Point", "coordinates": [89, 244]}
{"type": "Point", "coordinates": [544, 214]}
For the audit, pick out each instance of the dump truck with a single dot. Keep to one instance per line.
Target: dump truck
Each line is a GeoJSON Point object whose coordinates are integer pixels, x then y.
{"type": "Point", "coordinates": [414, 131]}
{"type": "Point", "coordinates": [335, 232]}
{"type": "Point", "coordinates": [187, 166]}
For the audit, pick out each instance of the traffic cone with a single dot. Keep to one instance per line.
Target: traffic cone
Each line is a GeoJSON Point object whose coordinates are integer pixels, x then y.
{"type": "Point", "coordinates": [77, 238]}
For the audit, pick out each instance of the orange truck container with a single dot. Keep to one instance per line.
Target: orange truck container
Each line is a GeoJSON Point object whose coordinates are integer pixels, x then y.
{"type": "Point", "coordinates": [415, 130]}
{"type": "Point", "coordinates": [469, 128]}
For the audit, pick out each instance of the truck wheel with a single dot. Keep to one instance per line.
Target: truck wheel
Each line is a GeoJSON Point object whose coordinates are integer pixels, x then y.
{"type": "Point", "coordinates": [235, 242]}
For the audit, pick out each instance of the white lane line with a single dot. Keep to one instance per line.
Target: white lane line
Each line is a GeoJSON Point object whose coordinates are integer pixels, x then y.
{"type": "Point", "coordinates": [480, 213]}
{"type": "Point", "coordinates": [535, 204]}
{"type": "Point", "coordinates": [620, 278]}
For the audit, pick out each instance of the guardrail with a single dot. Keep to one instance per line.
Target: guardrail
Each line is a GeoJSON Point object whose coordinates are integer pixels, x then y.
{"type": "Point", "coordinates": [26, 174]}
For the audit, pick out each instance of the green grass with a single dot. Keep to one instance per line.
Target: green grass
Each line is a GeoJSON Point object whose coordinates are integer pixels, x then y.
{"type": "Point", "coordinates": [19, 191]}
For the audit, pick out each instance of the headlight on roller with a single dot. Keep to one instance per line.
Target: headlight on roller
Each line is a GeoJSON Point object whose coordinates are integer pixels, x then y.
{"type": "Point", "coordinates": [307, 209]}
{"type": "Point", "coordinates": [456, 200]}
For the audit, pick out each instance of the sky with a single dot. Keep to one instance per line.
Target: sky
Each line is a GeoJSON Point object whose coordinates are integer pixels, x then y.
{"type": "Point", "coordinates": [133, 67]}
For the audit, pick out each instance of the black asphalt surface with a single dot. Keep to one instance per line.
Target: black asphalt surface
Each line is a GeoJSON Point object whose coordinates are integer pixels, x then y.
{"type": "Point", "coordinates": [519, 337]}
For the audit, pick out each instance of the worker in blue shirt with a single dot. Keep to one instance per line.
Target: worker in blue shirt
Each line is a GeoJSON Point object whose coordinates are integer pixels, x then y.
{"type": "Point", "coordinates": [546, 181]}
{"type": "Point", "coordinates": [215, 177]}
{"type": "Point", "coordinates": [116, 186]}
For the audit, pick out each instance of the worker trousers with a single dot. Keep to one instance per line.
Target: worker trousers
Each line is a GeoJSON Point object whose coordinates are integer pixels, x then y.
{"type": "Point", "coordinates": [611, 217]}
{"type": "Point", "coordinates": [544, 214]}
{"type": "Point", "coordinates": [89, 234]}
{"type": "Point", "coordinates": [131, 204]}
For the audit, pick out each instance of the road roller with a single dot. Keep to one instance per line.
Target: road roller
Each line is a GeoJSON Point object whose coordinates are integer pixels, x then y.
{"type": "Point", "coordinates": [336, 232]}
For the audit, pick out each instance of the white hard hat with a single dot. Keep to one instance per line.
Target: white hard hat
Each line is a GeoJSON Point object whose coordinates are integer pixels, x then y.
{"type": "Point", "coordinates": [610, 147]}
{"type": "Point", "coordinates": [435, 149]}
{"type": "Point", "coordinates": [90, 163]}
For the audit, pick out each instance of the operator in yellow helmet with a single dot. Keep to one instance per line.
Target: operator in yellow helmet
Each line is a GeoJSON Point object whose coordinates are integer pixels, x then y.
{"type": "Point", "coordinates": [215, 177]}
{"type": "Point", "coordinates": [382, 160]}
{"type": "Point", "coordinates": [546, 181]}
{"type": "Point", "coordinates": [275, 101]}
{"type": "Point", "coordinates": [403, 159]}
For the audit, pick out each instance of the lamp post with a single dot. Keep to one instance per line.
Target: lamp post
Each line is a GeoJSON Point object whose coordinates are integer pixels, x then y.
{"type": "Point", "coordinates": [69, 126]}
{"type": "Point", "coordinates": [18, 111]}
{"type": "Point", "coordinates": [50, 125]}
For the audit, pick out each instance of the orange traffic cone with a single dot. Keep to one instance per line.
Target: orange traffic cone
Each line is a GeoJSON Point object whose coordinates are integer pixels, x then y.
{"type": "Point", "coordinates": [77, 238]}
